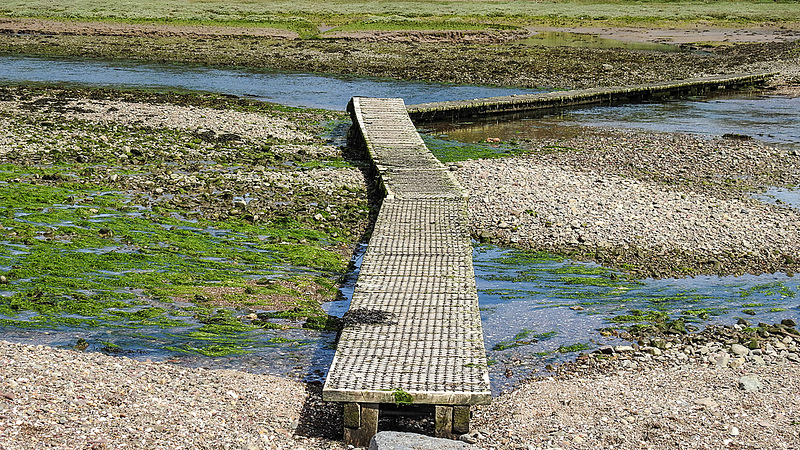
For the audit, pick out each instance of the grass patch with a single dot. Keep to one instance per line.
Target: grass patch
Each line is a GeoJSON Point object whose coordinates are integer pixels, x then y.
{"type": "Point", "coordinates": [295, 15]}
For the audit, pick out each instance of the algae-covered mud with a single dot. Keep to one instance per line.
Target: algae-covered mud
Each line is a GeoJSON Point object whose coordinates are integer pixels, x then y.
{"type": "Point", "coordinates": [186, 223]}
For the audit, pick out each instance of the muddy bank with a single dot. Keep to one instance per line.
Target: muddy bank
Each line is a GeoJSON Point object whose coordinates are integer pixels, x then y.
{"type": "Point", "coordinates": [44, 27]}
{"type": "Point", "coordinates": [490, 57]}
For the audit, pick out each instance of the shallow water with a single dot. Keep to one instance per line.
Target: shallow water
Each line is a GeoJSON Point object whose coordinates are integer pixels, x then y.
{"type": "Point", "coordinates": [771, 119]}
{"type": "Point", "coordinates": [291, 89]}
{"type": "Point", "coordinates": [781, 196]}
{"type": "Point", "coordinates": [535, 307]}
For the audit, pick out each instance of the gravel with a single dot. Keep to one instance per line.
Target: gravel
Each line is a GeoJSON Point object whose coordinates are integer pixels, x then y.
{"type": "Point", "coordinates": [60, 398]}
{"type": "Point", "coordinates": [623, 197]}
{"type": "Point", "coordinates": [703, 390]}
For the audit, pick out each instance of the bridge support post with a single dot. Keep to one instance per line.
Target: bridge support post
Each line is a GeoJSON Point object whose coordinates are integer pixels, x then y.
{"type": "Point", "coordinates": [452, 420]}
{"type": "Point", "coordinates": [360, 423]}
{"type": "Point", "coordinates": [444, 421]}
{"type": "Point", "coordinates": [461, 416]}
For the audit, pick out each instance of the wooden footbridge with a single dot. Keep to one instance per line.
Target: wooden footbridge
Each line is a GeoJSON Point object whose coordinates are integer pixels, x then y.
{"type": "Point", "coordinates": [417, 277]}
{"type": "Point", "coordinates": [419, 340]}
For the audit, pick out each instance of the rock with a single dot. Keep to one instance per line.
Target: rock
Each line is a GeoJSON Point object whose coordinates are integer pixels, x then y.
{"type": "Point", "coordinates": [739, 350]}
{"type": "Point", "coordinates": [470, 438]}
{"type": "Point", "coordinates": [623, 349]}
{"type": "Point", "coordinates": [655, 351]}
{"type": "Point", "coordinates": [395, 440]}
{"type": "Point", "coordinates": [788, 322]}
{"type": "Point", "coordinates": [737, 362]}
{"type": "Point", "coordinates": [750, 383]}
{"type": "Point", "coordinates": [3, 279]}
{"type": "Point", "coordinates": [660, 344]}
{"type": "Point", "coordinates": [734, 431]}
{"type": "Point", "coordinates": [720, 359]}
{"type": "Point", "coordinates": [606, 350]}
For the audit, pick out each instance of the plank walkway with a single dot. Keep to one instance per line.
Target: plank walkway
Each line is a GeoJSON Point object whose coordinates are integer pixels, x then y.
{"type": "Point", "coordinates": [418, 270]}
{"type": "Point", "coordinates": [593, 96]}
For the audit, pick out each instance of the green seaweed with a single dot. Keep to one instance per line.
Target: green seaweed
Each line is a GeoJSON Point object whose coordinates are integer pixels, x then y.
{"type": "Point", "coordinates": [577, 347]}
{"type": "Point", "coordinates": [524, 337]}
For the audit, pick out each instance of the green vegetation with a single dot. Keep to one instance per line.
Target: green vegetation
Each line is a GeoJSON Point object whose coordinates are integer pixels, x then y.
{"type": "Point", "coordinates": [453, 151]}
{"type": "Point", "coordinates": [775, 288]}
{"type": "Point", "coordinates": [402, 398]}
{"type": "Point", "coordinates": [304, 16]}
{"type": "Point", "coordinates": [524, 337]}
{"type": "Point", "coordinates": [577, 347]}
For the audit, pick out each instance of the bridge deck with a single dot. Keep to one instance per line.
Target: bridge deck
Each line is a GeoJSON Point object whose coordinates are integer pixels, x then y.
{"type": "Point", "coordinates": [418, 269]}
{"type": "Point", "coordinates": [591, 96]}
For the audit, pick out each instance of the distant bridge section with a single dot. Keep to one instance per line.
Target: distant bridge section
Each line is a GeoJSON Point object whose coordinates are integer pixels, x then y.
{"type": "Point", "coordinates": [583, 97]}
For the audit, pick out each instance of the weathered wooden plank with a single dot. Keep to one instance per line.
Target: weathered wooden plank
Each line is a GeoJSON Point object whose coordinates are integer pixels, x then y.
{"type": "Point", "coordinates": [592, 96]}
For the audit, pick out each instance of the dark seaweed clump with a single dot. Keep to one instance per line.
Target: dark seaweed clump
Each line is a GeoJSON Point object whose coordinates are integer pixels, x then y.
{"type": "Point", "coordinates": [364, 316]}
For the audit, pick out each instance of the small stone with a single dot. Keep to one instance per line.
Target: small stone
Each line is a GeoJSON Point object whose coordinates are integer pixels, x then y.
{"type": "Point", "coordinates": [3, 279]}
{"type": "Point", "coordinates": [318, 217]}
{"type": "Point", "coordinates": [655, 351]}
{"type": "Point", "coordinates": [721, 359]}
{"type": "Point", "coordinates": [750, 383]}
{"type": "Point", "coordinates": [739, 350]}
{"type": "Point", "coordinates": [623, 349]}
{"type": "Point", "coordinates": [734, 431]}
{"type": "Point", "coordinates": [736, 363]}
{"type": "Point", "coordinates": [788, 322]}
{"type": "Point", "coordinates": [606, 350]}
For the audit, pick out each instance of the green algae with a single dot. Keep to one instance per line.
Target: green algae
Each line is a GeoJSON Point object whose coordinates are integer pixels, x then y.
{"type": "Point", "coordinates": [114, 254]}
{"type": "Point", "coordinates": [577, 347]}
{"type": "Point", "coordinates": [775, 288]}
{"type": "Point", "coordinates": [524, 337]}
{"type": "Point", "coordinates": [446, 150]}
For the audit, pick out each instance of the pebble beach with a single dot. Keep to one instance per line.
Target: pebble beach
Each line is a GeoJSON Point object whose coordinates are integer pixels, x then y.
{"type": "Point", "coordinates": [615, 200]}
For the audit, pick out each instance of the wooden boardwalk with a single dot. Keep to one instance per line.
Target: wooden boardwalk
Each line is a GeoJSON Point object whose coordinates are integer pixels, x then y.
{"type": "Point", "coordinates": [592, 96]}
{"type": "Point", "coordinates": [417, 273]}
